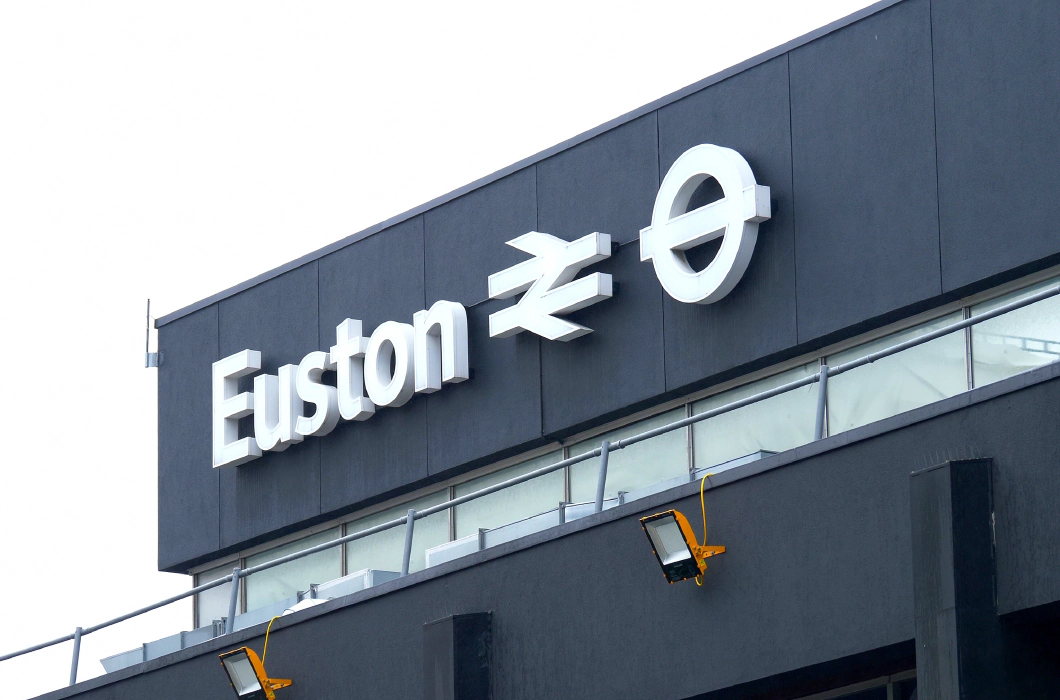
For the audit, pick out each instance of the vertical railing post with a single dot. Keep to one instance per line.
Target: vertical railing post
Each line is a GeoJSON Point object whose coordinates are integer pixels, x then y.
{"type": "Point", "coordinates": [601, 480]}
{"type": "Point", "coordinates": [822, 398]}
{"type": "Point", "coordinates": [410, 523]}
{"type": "Point", "coordinates": [77, 654]}
{"type": "Point", "coordinates": [233, 598]}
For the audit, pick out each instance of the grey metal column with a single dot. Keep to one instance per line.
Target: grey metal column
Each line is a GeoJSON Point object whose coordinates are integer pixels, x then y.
{"type": "Point", "coordinates": [410, 523]}
{"type": "Point", "coordinates": [605, 447]}
{"type": "Point", "coordinates": [822, 402]}
{"type": "Point", "coordinates": [456, 657]}
{"type": "Point", "coordinates": [77, 653]}
{"type": "Point", "coordinates": [233, 598]}
{"type": "Point", "coordinates": [960, 643]}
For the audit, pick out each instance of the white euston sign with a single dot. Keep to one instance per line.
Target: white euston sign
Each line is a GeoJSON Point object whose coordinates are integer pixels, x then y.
{"type": "Point", "coordinates": [674, 230]}
{"type": "Point", "coordinates": [425, 355]}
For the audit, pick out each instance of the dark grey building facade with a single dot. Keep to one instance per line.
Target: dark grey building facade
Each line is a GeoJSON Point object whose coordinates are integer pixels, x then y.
{"type": "Point", "coordinates": [913, 157]}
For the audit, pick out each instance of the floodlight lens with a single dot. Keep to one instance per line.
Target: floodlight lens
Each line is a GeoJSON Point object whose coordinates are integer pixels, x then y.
{"type": "Point", "coordinates": [241, 672]}
{"type": "Point", "coordinates": [668, 539]}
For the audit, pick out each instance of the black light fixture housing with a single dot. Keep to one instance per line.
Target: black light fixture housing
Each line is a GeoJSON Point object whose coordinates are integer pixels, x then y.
{"type": "Point", "coordinates": [247, 675]}
{"type": "Point", "coordinates": [675, 547]}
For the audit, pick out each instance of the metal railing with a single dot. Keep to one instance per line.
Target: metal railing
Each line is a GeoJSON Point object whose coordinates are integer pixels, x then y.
{"type": "Point", "coordinates": [410, 518]}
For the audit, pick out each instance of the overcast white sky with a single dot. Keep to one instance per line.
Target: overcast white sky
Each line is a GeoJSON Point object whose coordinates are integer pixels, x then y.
{"type": "Point", "coordinates": [173, 150]}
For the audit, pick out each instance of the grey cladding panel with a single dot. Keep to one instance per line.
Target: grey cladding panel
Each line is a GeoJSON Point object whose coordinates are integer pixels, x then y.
{"type": "Point", "coordinates": [748, 113]}
{"type": "Point", "coordinates": [187, 481]}
{"type": "Point", "coordinates": [997, 68]}
{"type": "Point", "coordinates": [374, 280]}
{"type": "Point", "coordinates": [607, 184]}
{"type": "Point", "coordinates": [278, 489]}
{"type": "Point", "coordinates": [866, 210]}
{"type": "Point", "coordinates": [617, 365]}
{"type": "Point", "coordinates": [464, 239]}
{"type": "Point", "coordinates": [201, 677]}
{"type": "Point", "coordinates": [498, 409]}
{"type": "Point", "coordinates": [366, 460]}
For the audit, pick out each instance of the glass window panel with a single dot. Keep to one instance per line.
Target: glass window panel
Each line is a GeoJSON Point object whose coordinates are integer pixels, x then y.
{"type": "Point", "coordinates": [213, 604]}
{"type": "Point", "coordinates": [384, 550]}
{"type": "Point", "coordinates": [513, 503]}
{"type": "Point", "coordinates": [777, 424]}
{"type": "Point", "coordinates": [898, 383]}
{"type": "Point", "coordinates": [285, 580]}
{"type": "Point", "coordinates": [663, 457]}
{"type": "Point", "coordinates": [1019, 340]}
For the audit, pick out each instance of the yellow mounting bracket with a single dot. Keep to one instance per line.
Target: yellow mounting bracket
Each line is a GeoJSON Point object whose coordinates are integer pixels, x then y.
{"type": "Point", "coordinates": [277, 683]}
{"type": "Point", "coordinates": [705, 551]}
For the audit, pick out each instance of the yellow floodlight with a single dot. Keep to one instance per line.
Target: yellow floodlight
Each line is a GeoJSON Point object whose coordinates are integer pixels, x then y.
{"type": "Point", "coordinates": [247, 675]}
{"type": "Point", "coordinates": [674, 543]}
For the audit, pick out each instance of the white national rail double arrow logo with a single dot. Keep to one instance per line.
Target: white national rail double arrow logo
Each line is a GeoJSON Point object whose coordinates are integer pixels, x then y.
{"type": "Point", "coordinates": [548, 280]}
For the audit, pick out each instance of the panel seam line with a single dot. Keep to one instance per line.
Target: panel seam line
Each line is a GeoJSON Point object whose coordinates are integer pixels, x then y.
{"type": "Point", "coordinates": [794, 227]}
{"type": "Point", "coordinates": [935, 144]}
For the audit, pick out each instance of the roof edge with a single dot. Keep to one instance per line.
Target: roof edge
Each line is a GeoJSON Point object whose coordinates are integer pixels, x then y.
{"type": "Point", "coordinates": [532, 160]}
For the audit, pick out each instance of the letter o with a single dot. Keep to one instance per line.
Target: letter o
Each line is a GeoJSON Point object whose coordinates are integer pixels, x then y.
{"type": "Point", "coordinates": [390, 340]}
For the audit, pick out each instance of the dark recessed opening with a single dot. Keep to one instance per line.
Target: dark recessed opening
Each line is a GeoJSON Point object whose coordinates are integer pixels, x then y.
{"type": "Point", "coordinates": [709, 191]}
{"type": "Point", "coordinates": [702, 255]}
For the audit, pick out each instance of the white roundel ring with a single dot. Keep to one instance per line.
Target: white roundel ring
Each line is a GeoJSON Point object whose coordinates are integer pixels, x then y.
{"type": "Point", "coordinates": [734, 218]}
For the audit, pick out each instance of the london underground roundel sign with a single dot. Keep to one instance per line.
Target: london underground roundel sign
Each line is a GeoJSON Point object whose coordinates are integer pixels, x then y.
{"type": "Point", "coordinates": [734, 218]}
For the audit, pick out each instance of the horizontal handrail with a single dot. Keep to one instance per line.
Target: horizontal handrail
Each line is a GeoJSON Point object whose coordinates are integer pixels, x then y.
{"type": "Point", "coordinates": [140, 611]}
{"type": "Point", "coordinates": [590, 454]}
{"type": "Point", "coordinates": [840, 369]}
{"type": "Point", "coordinates": [38, 647]}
